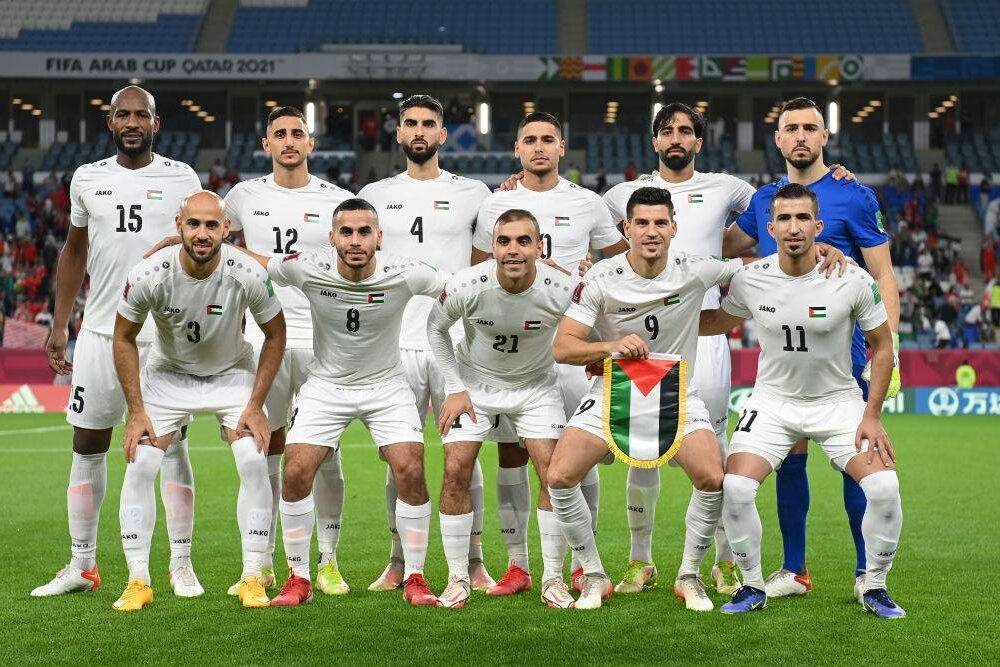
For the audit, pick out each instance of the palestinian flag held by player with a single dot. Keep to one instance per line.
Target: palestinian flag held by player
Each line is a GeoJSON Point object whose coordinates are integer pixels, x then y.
{"type": "Point", "coordinates": [644, 408]}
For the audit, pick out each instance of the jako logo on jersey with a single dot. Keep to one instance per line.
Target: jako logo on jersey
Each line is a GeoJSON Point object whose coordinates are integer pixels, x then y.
{"type": "Point", "coordinates": [263, 213]}
{"type": "Point", "coordinates": [376, 297]}
{"type": "Point", "coordinates": [627, 309]}
{"type": "Point", "coordinates": [532, 325]}
{"type": "Point", "coordinates": [672, 300]}
{"type": "Point", "coordinates": [213, 309]}
{"type": "Point", "coordinates": [326, 292]}
{"type": "Point", "coordinates": [695, 198]}
{"type": "Point", "coordinates": [393, 207]}
{"type": "Point", "coordinates": [562, 221]}
{"type": "Point", "coordinates": [441, 206]}
{"type": "Point", "coordinates": [155, 195]}
{"type": "Point", "coordinates": [577, 293]}
{"type": "Point", "coordinates": [103, 193]}
{"type": "Point", "coordinates": [817, 311]}
{"type": "Point", "coordinates": [486, 323]}
{"type": "Point", "coordinates": [310, 217]}
{"type": "Point", "coordinates": [168, 310]}
{"type": "Point", "coordinates": [766, 309]}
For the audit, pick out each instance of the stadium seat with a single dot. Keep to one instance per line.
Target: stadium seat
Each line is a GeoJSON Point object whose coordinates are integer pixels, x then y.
{"type": "Point", "coordinates": [974, 24]}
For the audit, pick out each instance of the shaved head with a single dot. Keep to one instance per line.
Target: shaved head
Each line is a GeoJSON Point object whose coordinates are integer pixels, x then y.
{"type": "Point", "coordinates": [203, 201]}
{"type": "Point", "coordinates": [134, 93]}
{"type": "Point", "coordinates": [133, 123]}
{"type": "Point", "coordinates": [202, 225]}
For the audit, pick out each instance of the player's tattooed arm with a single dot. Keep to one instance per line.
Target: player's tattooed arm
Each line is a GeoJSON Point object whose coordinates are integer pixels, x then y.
{"type": "Point", "coordinates": [717, 321]}
{"type": "Point", "coordinates": [871, 429]}
{"type": "Point", "coordinates": [138, 427]}
{"type": "Point", "coordinates": [70, 270]}
{"type": "Point", "coordinates": [253, 419]}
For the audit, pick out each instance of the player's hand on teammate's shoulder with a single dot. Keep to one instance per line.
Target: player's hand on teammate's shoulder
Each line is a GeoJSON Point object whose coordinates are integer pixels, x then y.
{"type": "Point", "coordinates": [138, 431]}
{"type": "Point", "coordinates": [55, 346]}
{"type": "Point", "coordinates": [253, 422]}
{"type": "Point", "coordinates": [871, 432]}
{"type": "Point", "coordinates": [555, 266]}
{"type": "Point", "coordinates": [165, 242]}
{"type": "Point", "coordinates": [629, 347]}
{"type": "Point", "coordinates": [511, 182]}
{"type": "Point", "coordinates": [585, 264]}
{"type": "Point", "coordinates": [831, 259]}
{"type": "Point", "coordinates": [455, 405]}
{"type": "Point", "coordinates": [842, 173]}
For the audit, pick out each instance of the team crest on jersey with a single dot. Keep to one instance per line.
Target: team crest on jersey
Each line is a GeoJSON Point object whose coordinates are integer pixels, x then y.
{"type": "Point", "coordinates": [440, 205]}
{"type": "Point", "coordinates": [671, 299]}
{"type": "Point", "coordinates": [532, 325]}
{"type": "Point", "coordinates": [695, 198]}
{"type": "Point", "coordinates": [154, 195]}
{"type": "Point", "coordinates": [213, 309]}
{"type": "Point", "coordinates": [817, 311]}
{"type": "Point", "coordinates": [562, 221]}
{"type": "Point", "coordinates": [310, 217]}
{"type": "Point", "coordinates": [577, 293]}
{"type": "Point", "coordinates": [376, 297]}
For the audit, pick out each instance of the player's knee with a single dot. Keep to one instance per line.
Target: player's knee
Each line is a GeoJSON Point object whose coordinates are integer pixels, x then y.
{"type": "Point", "coordinates": [881, 486]}
{"type": "Point", "coordinates": [559, 477]}
{"type": "Point", "coordinates": [738, 489]}
{"type": "Point", "coordinates": [708, 479]}
{"type": "Point", "coordinates": [457, 472]}
{"type": "Point", "coordinates": [297, 480]}
{"type": "Point", "coordinates": [91, 441]}
{"type": "Point", "coordinates": [409, 473]}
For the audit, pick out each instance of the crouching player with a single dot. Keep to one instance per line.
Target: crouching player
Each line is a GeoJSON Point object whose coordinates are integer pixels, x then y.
{"type": "Point", "coordinates": [805, 389]}
{"type": "Point", "coordinates": [197, 295]}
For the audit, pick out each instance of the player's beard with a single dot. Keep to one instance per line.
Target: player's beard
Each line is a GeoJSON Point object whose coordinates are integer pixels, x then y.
{"type": "Point", "coordinates": [189, 249]}
{"type": "Point", "coordinates": [676, 162]}
{"type": "Point", "coordinates": [342, 254]}
{"type": "Point", "coordinates": [802, 163]}
{"type": "Point", "coordinates": [420, 157]}
{"type": "Point", "coordinates": [147, 141]}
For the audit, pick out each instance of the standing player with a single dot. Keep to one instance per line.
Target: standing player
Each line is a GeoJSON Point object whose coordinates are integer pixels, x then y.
{"type": "Point", "coordinates": [121, 205]}
{"type": "Point", "coordinates": [804, 388]}
{"type": "Point", "coordinates": [276, 215]}
{"type": "Point", "coordinates": [429, 214]}
{"type": "Point", "coordinates": [852, 223]}
{"type": "Point", "coordinates": [509, 309]}
{"type": "Point", "coordinates": [639, 303]}
{"type": "Point", "coordinates": [357, 297]}
{"type": "Point", "coordinates": [573, 220]}
{"type": "Point", "coordinates": [200, 361]}
{"type": "Point", "coordinates": [704, 204]}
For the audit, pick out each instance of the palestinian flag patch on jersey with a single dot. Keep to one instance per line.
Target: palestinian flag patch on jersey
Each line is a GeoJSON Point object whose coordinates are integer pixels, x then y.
{"type": "Point", "coordinates": [562, 221]}
{"type": "Point", "coordinates": [695, 198]}
{"type": "Point", "coordinates": [645, 403]}
{"type": "Point", "coordinates": [532, 325]}
{"type": "Point", "coordinates": [213, 309]}
{"type": "Point", "coordinates": [817, 311]}
{"type": "Point", "coordinates": [155, 195]}
{"type": "Point", "coordinates": [441, 206]}
{"type": "Point", "coordinates": [671, 300]}
{"type": "Point", "coordinates": [310, 217]}
{"type": "Point", "coordinates": [376, 297]}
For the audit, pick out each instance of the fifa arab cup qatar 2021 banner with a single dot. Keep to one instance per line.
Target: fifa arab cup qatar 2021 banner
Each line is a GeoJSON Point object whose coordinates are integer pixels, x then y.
{"type": "Point", "coordinates": [409, 63]}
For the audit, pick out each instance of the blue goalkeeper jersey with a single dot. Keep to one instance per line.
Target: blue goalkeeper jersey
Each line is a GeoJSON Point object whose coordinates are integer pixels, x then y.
{"type": "Point", "coordinates": [851, 219]}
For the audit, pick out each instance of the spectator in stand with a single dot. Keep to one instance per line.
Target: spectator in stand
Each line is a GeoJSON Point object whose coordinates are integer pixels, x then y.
{"type": "Point", "coordinates": [984, 196]}
{"type": "Point", "coordinates": [573, 175]}
{"type": "Point", "coordinates": [28, 179]}
{"type": "Point", "coordinates": [935, 182]}
{"type": "Point", "coordinates": [991, 218]}
{"type": "Point", "coordinates": [994, 288]}
{"type": "Point", "coordinates": [215, 175]}
{"type": "Point", "coordinates": [950, 183]}
{"type": "Point", "coordinates": [965, 376]}
{"type": "Point", "coordinates": [631, 173]}
{"type": "Point", "coordinates": [389, 125]}
{"type": "Point", "coordinates": [369, 130]}
{"type": "Point", "coordinates": [9, 183]}
{"type": "Point", "coordinates": [942, 335]}
{"type": "Point", "coordinates": [988, 258]}
{"type": "Point", "coordinates": [962, 194]}
{"type": "Point", "coordinates": [959, 272]}
{"type": "Point", "coordinates": [971, 324]}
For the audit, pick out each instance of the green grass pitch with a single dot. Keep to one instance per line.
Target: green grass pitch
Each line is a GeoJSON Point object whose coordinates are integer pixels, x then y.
{"type": "Point", "coordinates": [943, 574]}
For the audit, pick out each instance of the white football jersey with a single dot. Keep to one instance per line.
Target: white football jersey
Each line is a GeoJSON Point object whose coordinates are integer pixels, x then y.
{"type": "Point", "coordinates": [198, 322]}
{"type": "Point", "coordinates": [804, 325]}
{"type": "Point", "coordinates": [356, 323]}
{"type": "Point", "coordinates": [508, 337]}
{"type": "Point", "coordinates": [125, 212]}
{"type": "Point", "coordinates": [704, 205]}
{"type": "Point", "coordinates": [616, 301]}
{"type": "Point", "coordinates": [431, 220]}
{"type": "Point", "coordinates": [572, 220]}
{"type": "Point", "coordinates": [278, 221]}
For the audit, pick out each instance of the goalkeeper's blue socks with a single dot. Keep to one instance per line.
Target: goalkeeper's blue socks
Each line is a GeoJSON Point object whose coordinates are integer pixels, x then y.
{"type": "Point", "coordinates": [792, 486]}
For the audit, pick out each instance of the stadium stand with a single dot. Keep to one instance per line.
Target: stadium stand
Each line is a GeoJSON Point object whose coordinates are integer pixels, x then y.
{"type": "Point", "coordinates": [529, 26]}
{"type": "Point", "coordinates": [736, 26]}
{"type": "Point", "coordinates": [100, 25]}
{"type": "Point", "coordinates": [980, 151]}
{"type": "Point", "coordinates": [893, 152]}
{"type": "Point", "coordinates": [974, 24]}
{"type": "Point", "coordinates": [181, 146]}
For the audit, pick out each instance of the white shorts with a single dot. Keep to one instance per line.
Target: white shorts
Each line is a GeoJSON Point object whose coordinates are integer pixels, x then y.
{"type": "Point", "coordinates": [589, 415]}
{"type": "Point", "coordinates": [171, 398]}
{"type": "Point", "coordinates": [535, 411]}
{"type": "Point", "coordinates": [323, 411]}
{"type": "Point", "coordinates": [425, 380]}
{"type": "Point", "coordinates": [291, 375]}
{"type": "Point", "coordinates": [712, 377]}
{"type": "Point", "coordinates": [96, 400]}
{"type": "Point", "coordinates": [573, 385]}
{"type": "Point", "coordinates": [769, 426]}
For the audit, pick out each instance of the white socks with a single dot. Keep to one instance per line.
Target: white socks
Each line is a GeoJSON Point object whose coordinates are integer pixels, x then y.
{"type": "Point", "coordinates": [478, 505]}
{"type": "Point", "coordinates": [742, 521]}
{"type": "Point", "coordinates": [514, 505]}
{"type": "Point", "coordinates": [703, 514]}
{"type": "Point", "coordinates": [177, 494]}
{"type": "Point", "coordinates": [137, 511]}
{"type": "Point", "coordinates": [575, 521]}
{"type": "Point", "coordinates": [414, 523]}
{"type": "Point", "coordinates": [591, 488]}
{"type": "Point", "coordinates": [297, 520]}
{"type": "Point", "coordinates": [274, 480]}
{"type": "Point", "coordinates": [396, 548]}
{"type": "Point", "coordinates": [88, 480]}
{"type": "Point", "coordinates": [455, 531]}
{"type": "Point", "coordinates": [642, 489]}
{"type": "Point", "coordinates": [553, 545]}
{"type": "Point", "coordinates": [328, 495]}
{"type": "Point", "coordinates": [253, 504]}
{"type": "Point", "coordinates": [881, 525]}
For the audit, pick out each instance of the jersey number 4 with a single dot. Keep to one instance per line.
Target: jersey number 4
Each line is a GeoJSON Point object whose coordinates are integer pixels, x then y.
{"type": "Point", "coordinates": [130, 221]}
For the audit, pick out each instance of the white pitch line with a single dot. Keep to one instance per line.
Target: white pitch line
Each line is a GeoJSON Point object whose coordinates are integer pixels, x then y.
{"type": "Point", "coordinates": [219, 448]}
{"type": "Point", "coordinates": [37, 429]}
